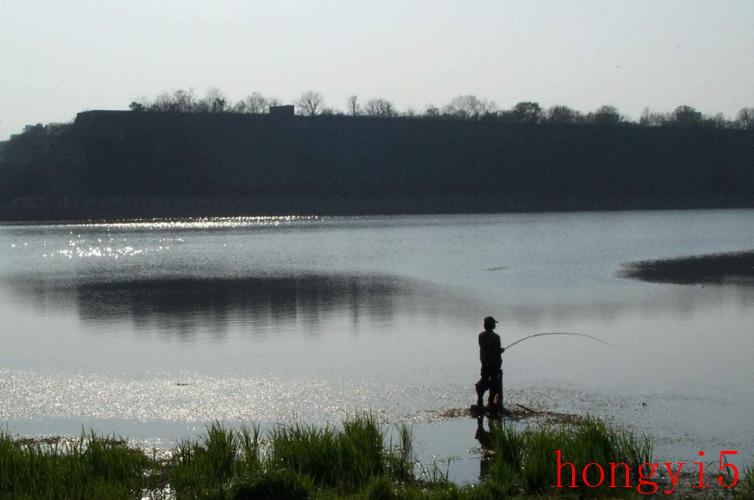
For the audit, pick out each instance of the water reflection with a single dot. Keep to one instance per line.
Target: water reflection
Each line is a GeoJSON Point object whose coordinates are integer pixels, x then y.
{"type": "Point", "coordinates": [486, 442]}
{"type": "Point", "coordinates": [185, 305]}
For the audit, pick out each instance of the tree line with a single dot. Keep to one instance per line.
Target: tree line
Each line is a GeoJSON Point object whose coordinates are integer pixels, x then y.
{"type": "Point", "coordinates": [124, 164]}
{"type": "Point", "coordinates": [464, 107]}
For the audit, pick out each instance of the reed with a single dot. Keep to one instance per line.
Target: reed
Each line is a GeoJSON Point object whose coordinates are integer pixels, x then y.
{"type": "Point", "coordinates": [358, 459]}
{"type": "Point", "coordinates": [296, 459]}
{"type": "Point", "coordinates": [746, 487]}
{"type": "Point", "coordinates": [524, 461]}
{"type": "Point", "coordinates": [90, 467]}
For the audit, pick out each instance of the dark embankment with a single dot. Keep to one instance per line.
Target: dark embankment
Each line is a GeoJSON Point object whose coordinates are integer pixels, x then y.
{"type": "Point", "coordinates": [128, 164]}
{"type": "Point", "coordinates": [700, 269]}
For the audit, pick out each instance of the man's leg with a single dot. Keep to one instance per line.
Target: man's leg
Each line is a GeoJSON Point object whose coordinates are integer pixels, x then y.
{"type": "Point", "coordinates": [498, 389]}
{"type": "Point", "coordinates": [486, 383]}
{"type": "Point", "coordinates": [491, 384]}
{"type": "Point", "coordinates": [481, 386]}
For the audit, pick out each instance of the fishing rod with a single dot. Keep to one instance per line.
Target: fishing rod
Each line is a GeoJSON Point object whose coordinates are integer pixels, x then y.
{"type": "Point", "coordinates": [558, 333]}
{"type": "Point", "coordinates": [543, 335]}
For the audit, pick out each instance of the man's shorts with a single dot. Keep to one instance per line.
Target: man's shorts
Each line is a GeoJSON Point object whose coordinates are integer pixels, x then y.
{"type": "Point", "coordinates": [490, 372]}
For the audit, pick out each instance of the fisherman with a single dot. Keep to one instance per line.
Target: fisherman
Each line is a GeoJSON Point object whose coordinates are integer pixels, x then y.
{"type": "Point", "coordinates": [491, 380]}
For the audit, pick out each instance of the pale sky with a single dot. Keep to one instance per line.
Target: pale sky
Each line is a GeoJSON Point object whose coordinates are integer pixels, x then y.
{"type": "Point", "coordinates": [58, 57]}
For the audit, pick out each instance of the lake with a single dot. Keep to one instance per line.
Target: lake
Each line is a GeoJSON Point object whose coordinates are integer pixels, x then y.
{"type": "Point", "coordinates": [151, 329]}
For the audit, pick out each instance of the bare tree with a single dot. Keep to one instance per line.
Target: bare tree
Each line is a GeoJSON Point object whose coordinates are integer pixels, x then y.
{"type": "Point", "coordinates": [239, 107]}
{"type": "Point", "coordinates": [380, 107]}
{"type": "Point", "coordinates": [311, 103]}
{"type": "Point", "coordinates": [352, 105]}
{"type": "Point", "coordinates": [488, 107]}
{"type": "Point", "coordinates": [184, 100]}
{"type": "Point", "coordinates": [177, 101]}
{"type": "Point", "coordinates": [142, 102]}
{"type": "Point", "coordinates": [215, 99]}
{"type": "Point", "coordinates": [255, 103]}
{"type": "Point", "coordinates": [464, 106]}
{"type": "Point", "coordinates": [162, 102]}
{"type": "Point", "coordinates": [431, 111]}
{"type": "Point", "coordinates": [273, 101]}
{"type": "Point", "coordinates": [651, 119]}
{"type": "Point", "coordinates": [745, 119]}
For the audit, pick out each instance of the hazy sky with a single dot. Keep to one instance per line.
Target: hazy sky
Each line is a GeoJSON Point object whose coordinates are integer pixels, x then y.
{"type": "Point", "coordinates": [58, 57]}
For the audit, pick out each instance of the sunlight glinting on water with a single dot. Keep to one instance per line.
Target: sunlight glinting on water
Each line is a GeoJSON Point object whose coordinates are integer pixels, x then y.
{"type": "Point", "coordinates": [81, 247]}
{"type": "Point", "coordinates": [200, 398]}
{"type": "Point", "coordinates": [198, 223]}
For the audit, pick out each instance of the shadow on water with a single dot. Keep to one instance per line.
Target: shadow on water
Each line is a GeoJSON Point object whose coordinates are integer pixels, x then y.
{"type": "Point", "coordinates": [184, 305]}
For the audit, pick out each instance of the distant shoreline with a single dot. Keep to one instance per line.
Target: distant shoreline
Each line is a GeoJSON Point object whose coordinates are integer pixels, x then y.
{"type": "Point", "coordinates": [121, 164]}
{"type": "Point", "coordinates": [719, 268]}
{"type": "Point", "coordinates": [124, 208]}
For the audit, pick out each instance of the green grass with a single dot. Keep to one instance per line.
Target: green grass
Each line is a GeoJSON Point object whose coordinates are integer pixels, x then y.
{"type": "Point", "coordinates": [746, 486]}
{"type": "Point", "coordinates": [91, 467]}
{"type": "Point", "coordinates": [345, 459]}
{"type": "Point", "coordinates": [525, 461]}
{"type": "Point", "coordinates": [358, 459]}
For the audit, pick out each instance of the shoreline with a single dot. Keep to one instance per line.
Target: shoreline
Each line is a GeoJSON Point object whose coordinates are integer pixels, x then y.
{"type": "Point", "coordinates": [65, 211]}
{"type": "Point", "coordinates": [168, 218]}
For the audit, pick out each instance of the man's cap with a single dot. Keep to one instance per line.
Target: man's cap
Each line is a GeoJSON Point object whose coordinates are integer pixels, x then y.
{"type": "Point", "coordinates": [490, 320]}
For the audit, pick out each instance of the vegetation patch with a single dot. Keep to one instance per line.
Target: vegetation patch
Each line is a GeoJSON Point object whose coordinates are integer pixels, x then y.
{"type": "Point", "coordinates": [358, 459]}
{"type": "Point", "coordinates": [698, 269]}
{"type": "Point", "coordinates": [90, 467]}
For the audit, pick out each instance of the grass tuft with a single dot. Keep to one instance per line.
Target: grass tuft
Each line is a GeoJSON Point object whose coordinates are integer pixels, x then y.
{"type": "Point", "coordinates": [90, 467]}
{"type": "Point", "coordinates": [524, 461]}
{"type": "Point", "coordinates": [745, 488]}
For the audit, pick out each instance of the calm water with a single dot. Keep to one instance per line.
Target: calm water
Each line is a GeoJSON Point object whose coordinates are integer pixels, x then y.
{"type": "Point", "coordinates": [152, 329]}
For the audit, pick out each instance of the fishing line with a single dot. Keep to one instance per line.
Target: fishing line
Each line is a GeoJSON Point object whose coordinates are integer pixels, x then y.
{"type": "Point", "coordinates": [558, 333]}
{"type": "Point", "coordinates": [542, 335]}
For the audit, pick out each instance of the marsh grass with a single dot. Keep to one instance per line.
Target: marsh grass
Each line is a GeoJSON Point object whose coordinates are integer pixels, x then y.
{"type": "Point", "coordinates": [90, 467]}
{"type": "Point", "coordinates": [293, 461]}
{"type": "Point", "coordinates": [524, 461]}
{"type": "Point", "coordinates": [358, 459]}
{"type": "Point", "coordinates": [745, 488]}
{"type": "Point", "coordinates": [198, 468]}
{"type": "Point", "coordinates": [346, 458]}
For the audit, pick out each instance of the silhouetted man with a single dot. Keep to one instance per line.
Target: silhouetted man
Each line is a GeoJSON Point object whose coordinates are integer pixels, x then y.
{"type": "Point", "coordinates": [490, 352]}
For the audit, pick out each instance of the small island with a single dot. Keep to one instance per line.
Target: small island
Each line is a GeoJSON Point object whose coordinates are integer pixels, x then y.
{"type": "Point", "coordinates": [718, 268]}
